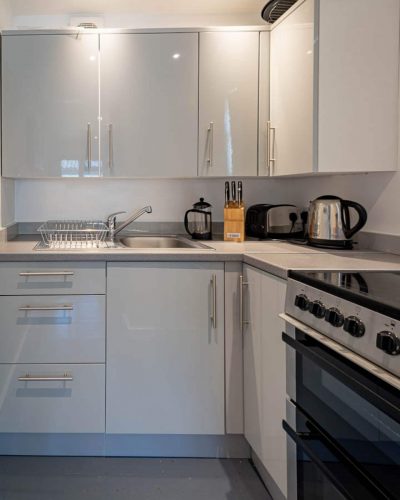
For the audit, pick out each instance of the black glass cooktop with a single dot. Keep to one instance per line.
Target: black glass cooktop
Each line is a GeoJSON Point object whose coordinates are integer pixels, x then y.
{"type": "Point", "coordinates": [378, 291]}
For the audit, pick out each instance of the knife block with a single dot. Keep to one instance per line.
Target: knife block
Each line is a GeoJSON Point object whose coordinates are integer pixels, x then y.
{"type": "Point", "coordinates": [234, 224]}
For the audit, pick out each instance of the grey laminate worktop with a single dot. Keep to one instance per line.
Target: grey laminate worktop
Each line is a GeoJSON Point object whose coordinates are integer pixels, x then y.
{"type": "Point", "coordinates": [275, 257]}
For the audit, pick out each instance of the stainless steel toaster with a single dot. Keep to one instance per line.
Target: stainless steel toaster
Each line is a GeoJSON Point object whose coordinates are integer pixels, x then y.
{"type": "Point", "coordinates": [273, 221]}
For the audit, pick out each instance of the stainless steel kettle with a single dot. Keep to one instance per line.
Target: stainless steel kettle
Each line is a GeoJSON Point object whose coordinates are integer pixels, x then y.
{"type": "Point", "coordinates": [329, 223]}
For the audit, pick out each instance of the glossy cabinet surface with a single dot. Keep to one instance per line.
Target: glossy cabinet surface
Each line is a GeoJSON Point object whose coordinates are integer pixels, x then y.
{"type": "Point", "coordinates": [228, 103]}
{"type": "Point", "coordinates": [265, 373]}
{"type": "Point", "coordinates": [55, 278]}
{"type": "Point", "coordinates": [264, 103]}
{"type": "Point", "coordinates": [149, 104]}
{"type": "Point", "coordinates": [292, 93]}
{"type": "Point", "coordinates": [74, 406]}
{"type": "Point", "coordinates": [358, 102]}
{"type": "Point", "coordinates": [50, 105]}
{"type": "Point", "coordinates": [52, 329]}
{"type": "Point", "coordinates": [165, 356]}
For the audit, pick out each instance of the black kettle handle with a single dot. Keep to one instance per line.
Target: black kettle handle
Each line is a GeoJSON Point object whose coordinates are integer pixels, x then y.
{"type": "Point", "coordinates": [362, 217]}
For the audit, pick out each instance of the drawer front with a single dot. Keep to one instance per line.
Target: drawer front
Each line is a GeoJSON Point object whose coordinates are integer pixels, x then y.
{"type": "Point", "coordinates": [58, 278]}
{"type": "Point", "coordinates": [52, 406]}
{"type": "Point", "coordinates": [52, 329]}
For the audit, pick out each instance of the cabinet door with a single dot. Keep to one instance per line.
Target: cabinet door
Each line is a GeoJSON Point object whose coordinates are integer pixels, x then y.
{"type": "Point", "coordinates": [252, 357]}
{"type": "Point", "coordinates": [149, 104]}
{"type": "Point", "coordinates": [263, 111]}
{"type": "Point", "coordinates": [292, 73]}
{"type": "Point", "coordinates": [228, 103]}
{"type": "Point", "coordinates": [165, 355]}
{"type": "Point", "coordinates": [50, 105]}
{"type": "Point", "coordinates": [273, 382]}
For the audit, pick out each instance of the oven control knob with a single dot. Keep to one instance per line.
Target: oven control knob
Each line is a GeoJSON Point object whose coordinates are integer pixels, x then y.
{"type": "Point", "coordinates": [317, 308]}
{"type": "Point", "coordinates": [388, 342]}
{"type": "Point", "coordinates": [334, 317]}
{"type": "Point", "coordinates": [302, 302]}
{"type": "Point", "coordinates": [354, 326]}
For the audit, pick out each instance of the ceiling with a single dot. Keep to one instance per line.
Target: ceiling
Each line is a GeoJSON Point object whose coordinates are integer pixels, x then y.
{"type": "Point", "coordinates": [167, 7]}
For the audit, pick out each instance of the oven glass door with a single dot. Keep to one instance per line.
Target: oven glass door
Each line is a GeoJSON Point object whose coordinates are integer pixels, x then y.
{"type": "Point", "coordinates": [348, 413]}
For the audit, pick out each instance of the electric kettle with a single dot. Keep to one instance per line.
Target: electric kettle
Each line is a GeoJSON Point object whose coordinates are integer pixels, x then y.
{"type": "Point", "coordinates": [198, 221]}
{"type": "Point", "coordinates": [329, 223]}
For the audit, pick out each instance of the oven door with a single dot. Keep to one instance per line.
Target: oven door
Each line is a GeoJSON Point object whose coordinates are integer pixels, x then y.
{"type": "Point", "coordinates": [345, 423]}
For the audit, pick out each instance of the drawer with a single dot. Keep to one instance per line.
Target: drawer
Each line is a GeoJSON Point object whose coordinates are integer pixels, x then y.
{"type": "Point", "coordinates": [52, 406]}
{"type": "Point", "coordinates": [40, 278]}
{"type": "Point", "coordinates": [52, 329]}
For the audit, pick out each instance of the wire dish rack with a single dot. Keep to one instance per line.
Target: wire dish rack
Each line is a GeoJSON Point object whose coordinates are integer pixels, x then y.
{"type": "Point", "coordinates": [66, 234]}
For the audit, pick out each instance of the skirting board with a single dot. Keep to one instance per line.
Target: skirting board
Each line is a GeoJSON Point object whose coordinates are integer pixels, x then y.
{"type": "Point", "coordinates": [125, 445]}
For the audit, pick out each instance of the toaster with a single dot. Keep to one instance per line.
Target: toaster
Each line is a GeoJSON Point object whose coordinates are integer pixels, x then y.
{"type": "Point", "coordinates": [274, 221]}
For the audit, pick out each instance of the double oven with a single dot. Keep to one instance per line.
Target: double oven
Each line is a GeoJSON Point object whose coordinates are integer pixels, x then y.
{"type": "Point", "coordinates": [343, 408]}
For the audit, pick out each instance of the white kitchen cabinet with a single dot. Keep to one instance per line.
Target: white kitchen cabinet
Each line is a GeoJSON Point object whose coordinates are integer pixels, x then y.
{"type": "Point", "coordinates": [43, 405]}
{"type": "Point", "coordinates": [334, 88]}
{"type": "Point", "coordinates": [292, 88]}
{"type": "Point", "coordinates": [165, 348]}
{"type": "Point", "coordinates": [228, 103]}
{"type": "Point", "coordinates": [50, 105]}
{"type": "Point", "coordinates": [149, 104]}
{"type": "Point", "coordinates": [265, 374]}
{"type": "Point", "coordinates": [264, 102]}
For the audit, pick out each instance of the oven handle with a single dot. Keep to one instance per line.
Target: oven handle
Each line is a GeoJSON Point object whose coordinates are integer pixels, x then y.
{"type": "Point", "coordinates": [301, 440]}
{"type": "Point", "coordinates": [347, 378]}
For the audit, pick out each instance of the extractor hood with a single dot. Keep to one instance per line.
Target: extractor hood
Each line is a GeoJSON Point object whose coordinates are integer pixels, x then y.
{"type": "Point", "coordinates": [275, 9]}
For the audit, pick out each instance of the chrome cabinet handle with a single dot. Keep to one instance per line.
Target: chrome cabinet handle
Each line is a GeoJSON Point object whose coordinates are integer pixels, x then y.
{"type": "Point", "coordinates": [31, 378]}
{"type": "Point", "coordinates": [213, 316]}
{"type": "Point", "coordinates": [271, 148]}
{"type": "Point", "coordinates": [89, 145]}
{"type": "Point", "coordinates": [210, 137]}
{"type": "Point", "coordinates": [110, 146]}
{"type": "Point", "coordinates": [242, 284]}
{"type": "Point", "coordinates": [48, 273]}
{"type": "Point", "coordinates": [47, 308]}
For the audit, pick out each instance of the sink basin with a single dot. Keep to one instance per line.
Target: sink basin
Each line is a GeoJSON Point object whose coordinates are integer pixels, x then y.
{"type": "Point", "coordinates": [164, 242]}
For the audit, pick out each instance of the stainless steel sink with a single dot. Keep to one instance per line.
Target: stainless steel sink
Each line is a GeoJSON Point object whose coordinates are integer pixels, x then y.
{"type": "Point", "coordinates": [163, 242]}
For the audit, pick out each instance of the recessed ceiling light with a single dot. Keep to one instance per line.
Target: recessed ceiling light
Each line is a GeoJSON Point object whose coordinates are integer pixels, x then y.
{"type": "Point", "coordinates": [176, 56]}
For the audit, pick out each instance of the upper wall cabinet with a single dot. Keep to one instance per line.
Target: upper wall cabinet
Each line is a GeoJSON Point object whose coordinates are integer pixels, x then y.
{"type": "Point", "coordinates": [334, 88]}
{"type": "Point", "coordinates": [50, 105]}
{"type": "Point", "coordinates": [149, 104]}
{"type": "Point", "coordinates": [228, 103]}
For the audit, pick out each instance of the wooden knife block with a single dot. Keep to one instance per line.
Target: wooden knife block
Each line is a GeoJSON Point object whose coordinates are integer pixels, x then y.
{"type": "Point", "coordinates": [234, 224]}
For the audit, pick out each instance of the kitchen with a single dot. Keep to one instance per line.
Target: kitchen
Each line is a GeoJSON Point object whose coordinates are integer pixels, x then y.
{"type": "Point", "coordinates": [140, 361]}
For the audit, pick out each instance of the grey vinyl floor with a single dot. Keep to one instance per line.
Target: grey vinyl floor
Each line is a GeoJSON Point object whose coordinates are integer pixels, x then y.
{"type": "Point", "coordinates": [70, 478]}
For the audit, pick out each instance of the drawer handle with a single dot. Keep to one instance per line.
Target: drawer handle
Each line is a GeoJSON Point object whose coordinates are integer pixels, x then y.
{"type": "Point", "coordinates": [48, 273]}
{"type": "Point", "coordinates": [30, 378]}
{"type": "Point", "coordinates": [46, 308]}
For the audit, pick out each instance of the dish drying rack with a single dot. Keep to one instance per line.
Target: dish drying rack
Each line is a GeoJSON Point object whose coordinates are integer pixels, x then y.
{"type": "Point", "coordinates": [70, 234]}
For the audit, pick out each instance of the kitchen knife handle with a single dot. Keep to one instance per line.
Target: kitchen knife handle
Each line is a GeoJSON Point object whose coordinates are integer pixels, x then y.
{"type": "Point", "coordinates": [227, 194]}
{"type": "Point", "coordinates": [233, 193]}
{"type": "Point", "coordinates": [240, 194]}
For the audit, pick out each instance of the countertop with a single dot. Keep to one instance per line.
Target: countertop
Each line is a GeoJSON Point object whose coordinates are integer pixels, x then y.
{"type": "Point", "coordinates": [275, 257]}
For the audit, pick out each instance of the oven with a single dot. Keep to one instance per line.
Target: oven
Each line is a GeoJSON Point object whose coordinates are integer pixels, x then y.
{"type": "Point", "coordinates": [343, 422]}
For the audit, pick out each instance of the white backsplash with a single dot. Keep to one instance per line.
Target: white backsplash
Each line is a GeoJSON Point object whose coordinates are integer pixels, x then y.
{"type": "Point", "coordinates": [37, 200]}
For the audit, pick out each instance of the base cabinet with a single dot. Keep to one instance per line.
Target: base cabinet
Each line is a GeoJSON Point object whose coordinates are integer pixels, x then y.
{"type": "Point", "coordinates": [265, 374]}
{"type": "Point", "coordinates": [165, 348]}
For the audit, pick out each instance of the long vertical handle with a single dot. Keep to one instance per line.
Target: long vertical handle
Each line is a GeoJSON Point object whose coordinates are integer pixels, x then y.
{"type": "Point", "coordinates": [89, 145]}
{"type": "Point", "coordinates": [272, 158]}
{"type": "Point", "coordinates": [110, 146]}
{"type": "Point", "coordinates": [210, 134]}
{"type": "Point", "coordinates": [213, 316]}
{"type": "Point", "coordinates": [268, 151]}
{"type": "Point", "coordinates": [242, 284]}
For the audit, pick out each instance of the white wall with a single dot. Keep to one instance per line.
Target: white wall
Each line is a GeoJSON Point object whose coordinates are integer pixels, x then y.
{"type": "Point", "coordinates": [37, 200]}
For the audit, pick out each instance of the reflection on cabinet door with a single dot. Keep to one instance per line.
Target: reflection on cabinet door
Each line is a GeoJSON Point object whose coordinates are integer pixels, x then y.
{"type": "Point", "coordinates": [228, 103]}
{"type": "Point", "coordinates": [292, 73]}
{"type": "Point", "coordinates": [50, 105]}
{"type": "Point", "coordinates": [165, 348]}
{"type": "Point", "coordinates": [149, 104]}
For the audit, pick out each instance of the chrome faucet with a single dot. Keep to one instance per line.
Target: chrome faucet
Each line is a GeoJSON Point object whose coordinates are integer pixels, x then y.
{"type": "Point", "coordinates": [113, 230]}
